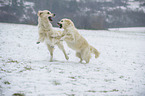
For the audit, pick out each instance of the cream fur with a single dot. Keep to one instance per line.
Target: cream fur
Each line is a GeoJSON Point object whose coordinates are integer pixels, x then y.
{"type": "Point", "coordinates": [48, 34]}
{"type": "Point", "coordinates": [76, 42]}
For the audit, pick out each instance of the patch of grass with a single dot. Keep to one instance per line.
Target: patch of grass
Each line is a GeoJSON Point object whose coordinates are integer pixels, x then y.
{"type": "Point", "coordinates": [70, 94]}
{"type": "Point", "coordinates": [5, 70]}
{"type": "Point", "coordinates": [72, 77]}
{"type": "Point", "coordinates": [42, 67]}
{"type": "Point", "coordinates": [61, 72]}
{"type": "Point", "coordinates": [3, 60]}
{"type": "Point", "coordinates": [18, 94]}
{"type": "Point", "coordinates": [93, 91]}
{"type": "Point", "coordinates": [80, 77]}
{"type": "Point", "coordinates": [103, 91]}
{"type": "Point", "coordinates": [21, 71]}
{"type": "Point", "coordinates": [7, 82]}
{"type": "Point", "coordinates": [27, 68]}
{"type": "Point", "coordinates": [97, 69]}
{"type": "Point", "coordinates": [107, 80]}
{"type": "Point", "coordinates": [121, 77]}
{"type": "Point", "coordinates": [12, 61]}
{"type": "Point", "coordinates": [56, 83]}
{"type": "Point", "coordinates": [114, 90]}
{"type": "Point", "coordinates": [75, 77]}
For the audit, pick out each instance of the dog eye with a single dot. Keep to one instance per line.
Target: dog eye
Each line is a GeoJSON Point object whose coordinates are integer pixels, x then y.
{"type": "Point", "coordinates": [40, 13]}
{"type": "Point", "coordinates": [61, 21]}
{"type": "Point", "coordinates": [48, 13]}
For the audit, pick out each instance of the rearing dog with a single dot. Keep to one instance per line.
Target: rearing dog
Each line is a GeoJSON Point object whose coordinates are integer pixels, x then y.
{"type": "Point", "coordinates": [76, 42]}
{"type": "Point", "coordinates": [48, 34]}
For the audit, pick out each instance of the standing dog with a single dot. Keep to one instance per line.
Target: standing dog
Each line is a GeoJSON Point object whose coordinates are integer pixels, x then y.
{"type": "Point", "coordinates": [76, 42]}
{"type": "Point", "coordinates": [48, 34]}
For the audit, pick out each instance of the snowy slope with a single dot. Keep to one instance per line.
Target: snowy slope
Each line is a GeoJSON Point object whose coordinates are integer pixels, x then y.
{"type": "Point", "coordinates": [25, 66]}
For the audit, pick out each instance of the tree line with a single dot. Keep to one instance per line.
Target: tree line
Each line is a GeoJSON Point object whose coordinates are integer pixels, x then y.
{"type": "Point", "coordinates": [86, 14]}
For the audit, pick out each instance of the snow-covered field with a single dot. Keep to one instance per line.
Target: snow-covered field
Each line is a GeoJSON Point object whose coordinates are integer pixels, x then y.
{"type": "Point", "coordinates": [25, 66]}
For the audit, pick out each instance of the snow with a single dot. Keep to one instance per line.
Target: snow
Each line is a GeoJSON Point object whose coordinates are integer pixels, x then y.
{"type": "Point", "coordinates": [25, 66]}
{"type": "Point", "coordinates": [28, 6]}
{"type": "Point", "coordinates": [28, 3]}
{"type": "Point", "coordinates": [3, 3]}
{"type": "Point", "coordinates": [136, 5]}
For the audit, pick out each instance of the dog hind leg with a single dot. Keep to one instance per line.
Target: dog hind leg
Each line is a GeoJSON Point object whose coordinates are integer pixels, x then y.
{"type": "Point", "coordinates": [79, 56]}
{"type": "Point", "coordinates": [61, 47]}
{"type": "Point", "coordinates": [86, 55]}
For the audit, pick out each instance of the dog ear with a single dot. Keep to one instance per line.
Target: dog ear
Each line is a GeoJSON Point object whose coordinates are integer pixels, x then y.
{"type": "Point", "coordinates": [39, 13]}
{"type": "Point", "coordinates": [68, 22]}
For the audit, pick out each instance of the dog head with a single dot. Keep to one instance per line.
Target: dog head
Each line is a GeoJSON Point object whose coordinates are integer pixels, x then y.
{"type": "Point", "coordinates": [65, 23]}
{"type": "Point", "coordinates": [46, 14]}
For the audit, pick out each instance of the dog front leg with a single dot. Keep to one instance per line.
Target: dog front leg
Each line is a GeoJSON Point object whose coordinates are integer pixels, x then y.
{"type": "Point", "coordinates": [51, 52]}
{"type": "Point", "coordinates": [69, 38]}
{"type": "Point", "coordinates": [41, 38]}
{"type": "Point", "coordinates": [62, 38]}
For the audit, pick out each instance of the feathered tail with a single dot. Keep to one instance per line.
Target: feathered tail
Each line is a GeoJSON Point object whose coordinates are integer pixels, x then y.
{"type": "Point", "coordinates": [94, 51]}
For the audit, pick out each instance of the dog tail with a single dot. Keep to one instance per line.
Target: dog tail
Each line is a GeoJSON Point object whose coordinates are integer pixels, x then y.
{"type": "Point", "coordinates": [94, 51]}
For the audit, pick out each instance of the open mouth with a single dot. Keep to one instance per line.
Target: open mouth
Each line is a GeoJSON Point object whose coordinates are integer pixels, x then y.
{"type": "Point", "coordinates": [60, 25]}
{"type": "Point", "coordinates": [50, 18]}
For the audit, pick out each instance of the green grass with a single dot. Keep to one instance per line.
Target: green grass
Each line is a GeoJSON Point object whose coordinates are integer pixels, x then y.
{"type": "Point", "coordinates": [26, 68]}
{"type": "Point", "coordinates": [121, 77]}
{"type": "Point", "coordinates": [70, 94]}
{"type": "Point", "coordinates": [93, 91]}
{"type": "Point", "coordinates": [56, 83]}
{"type": "Point", "coordinates": [72, 77]}
{"type": "Point", "coordinates": [18, 94]}
{"type": "Point", "coordinates": [12, 61]}
{"type": "Point", "coordinates": [114, 90]}
{"type": "Point", "coordinates": [7, 82]}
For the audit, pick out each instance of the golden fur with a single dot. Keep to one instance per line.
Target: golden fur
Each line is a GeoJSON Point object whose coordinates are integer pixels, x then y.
{"type": "Point", "coordinates": [76, 42]}
{"type": "Point", "coordinates": [48, 34]}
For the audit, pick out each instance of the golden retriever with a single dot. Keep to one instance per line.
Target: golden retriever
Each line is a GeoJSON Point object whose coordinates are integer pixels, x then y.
{"type": "Point", "coordinates": [48, 34]}
{"type": "Point", "coordinates": [76, 42]}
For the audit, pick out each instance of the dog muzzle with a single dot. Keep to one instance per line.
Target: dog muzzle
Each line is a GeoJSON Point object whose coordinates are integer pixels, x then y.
{"type": "Point", "coordinates": [60, 25]}
{"type": "Point", "coordinates": [50, 18]}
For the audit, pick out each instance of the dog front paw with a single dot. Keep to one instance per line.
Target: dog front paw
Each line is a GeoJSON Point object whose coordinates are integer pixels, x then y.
{"type": "Point", "coordinates": [37, 42]}
{"type": "Point", "coordinates": [67, 57]}
{"type": "Point", "coordinates": [52, 46]}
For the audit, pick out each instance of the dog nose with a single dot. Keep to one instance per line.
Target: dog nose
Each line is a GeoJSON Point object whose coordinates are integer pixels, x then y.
{"type": "Point", "coordinates": [53, 14]}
